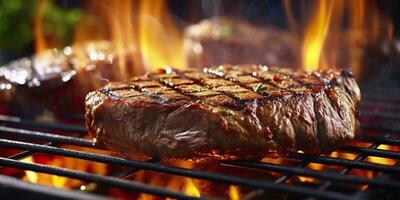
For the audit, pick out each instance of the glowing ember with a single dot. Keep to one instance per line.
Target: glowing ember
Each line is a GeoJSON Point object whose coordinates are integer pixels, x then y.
{"type": "Point", "coordinates": [31, 176]}
{"type": "Point", "coordinates": [185, 185]}
{"type": "Point", "coordinates": [234, 193]}
{"type": "Point", "coordinates": [191, 189]}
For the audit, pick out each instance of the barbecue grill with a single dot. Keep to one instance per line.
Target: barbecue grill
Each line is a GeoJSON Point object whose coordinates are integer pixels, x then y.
{"type": "Point", "coordinates": [379, 126]}
{"type": "Point", "coordinates": [120, 41]}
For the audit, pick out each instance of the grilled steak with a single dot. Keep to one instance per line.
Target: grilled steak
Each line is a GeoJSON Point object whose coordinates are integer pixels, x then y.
{"type": "Point", "coordinates": [227, 112]}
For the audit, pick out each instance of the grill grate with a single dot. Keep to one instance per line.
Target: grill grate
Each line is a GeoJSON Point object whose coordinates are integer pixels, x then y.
{"type": "Point", "coordinates": [383, 134]}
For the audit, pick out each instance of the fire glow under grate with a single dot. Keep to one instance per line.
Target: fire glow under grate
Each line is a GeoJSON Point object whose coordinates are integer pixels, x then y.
{"type": "Point", "coordinates": [366, 168]}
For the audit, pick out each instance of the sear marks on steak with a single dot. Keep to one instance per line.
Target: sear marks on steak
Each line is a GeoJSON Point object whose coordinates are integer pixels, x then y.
{"type": "Point", "coordinates": [227, 112]}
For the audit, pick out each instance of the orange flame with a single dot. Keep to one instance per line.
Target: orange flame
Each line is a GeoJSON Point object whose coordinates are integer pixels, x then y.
{"type": "Point", "coordinates": [110, 21]}
{"type": "Point", "coordinates": [66, 162]}
{"type": "Point", "coordinates": [234, 193]}
{"type": "Point", "coordinates": [316, 33]}
{"type": "Point", "coordinates": [160, 41]}
{"type": "Point", "coordinates": [145, 32]}
{"type": "Point", "coordinates": [351, 156]}
{"type": "Point", "coordinates": [339, 32]}
{"type": "Point", "coordinates": [31, 176]}
{"type": "Point", "coordinates": [40, 42]}
{"type": "Point", "coordinates": [185, 185]}
{"type": "Point", "coordinates": [141, 35]}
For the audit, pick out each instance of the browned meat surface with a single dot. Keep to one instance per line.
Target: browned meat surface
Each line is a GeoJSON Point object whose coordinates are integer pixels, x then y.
{"type": "Point", "coordinates": [217, 41]}
{"type": "Point", "coordinates": [227, 112]}
{"type": "Point", "coordinates": [59, 80]}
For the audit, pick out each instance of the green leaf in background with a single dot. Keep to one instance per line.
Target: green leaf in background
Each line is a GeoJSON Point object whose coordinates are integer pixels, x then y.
{"type": "Point", "coordinates": [17, 18]}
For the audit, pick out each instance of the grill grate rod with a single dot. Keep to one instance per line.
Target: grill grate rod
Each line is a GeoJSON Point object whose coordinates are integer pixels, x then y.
{"type": "Point", "coordinates": [373, 152]}
{"type": "Point", "coordinates": [36, 135]}
{"type": "Point", "coordinates": [66, 139]}
{"type": "Point", "coordinates": [320, 159]}
{"type": "Point", "coordinates": [121, 174]}
{"type": "Point", "coordinates": [18, 189]}
{"type": "Point", "coordinates": [108, 180]}
{"type": "Point", "coordinates": [286, 176]}
{"type": "Point", "coordinates": [381, 140]}
{"type": "Point", "coordinates": [16, 121]}
{"type": "Point", "coordinates": [165, 169]}
{"type": "Point", "coordinates": [313, 174]}
{"type": "Point", "coordinates": [347, 163]}
{"type": "Point", "coordinates": [346, 170]}
{"type": "Point", "coordinates": [92, 186]}
{"type": "Point", "coordinates": [390, 141]}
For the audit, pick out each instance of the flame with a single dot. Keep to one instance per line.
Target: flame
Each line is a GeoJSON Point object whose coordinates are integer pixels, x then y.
{"type": "Point", "coordinates": [234, 193]}
{"type": "Point", "coordinates": [121, 31]}
{"type": "Point", "coordinates": [191, 189]}
{"type": "Point", "coordinates": [31, 176]}
{"type": "Point", "coordinates": [142, 35]}
{"type": "Point", "coordinates": [160, 41]}
{"type": "Point", "coordinates": [351, 156]}
{"type": "Point", "coordinates": [183, 184]}
{"type": "Point", "coordinates": [40, 42]}
{"type": "Point", "coordinates": [338, 32]}
{"type": "Point", "coordinates": [381, 160]}
{"type": "Point", "coordinates": [65, 162]}
{"type": "Point", "coordinates": [316, 34]}
{"type": "Point", "coordinates": [110, 22]}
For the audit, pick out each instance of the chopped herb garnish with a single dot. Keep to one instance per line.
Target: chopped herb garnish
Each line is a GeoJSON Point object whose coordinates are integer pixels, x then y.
{"type": "Point", "coordinates": [226, 112]}
{"type": "Point", "coordinates": [219, 71]}
{"type": "Point", "coordinates": [198, 89]}
{"type": "Point", "coordinates": [226, 30]}
{"type": "Point", "coordinates": [260, 87]}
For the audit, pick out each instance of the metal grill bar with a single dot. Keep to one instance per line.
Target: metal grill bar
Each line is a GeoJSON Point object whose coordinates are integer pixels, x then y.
{"type": "Point", "coordinates": [36, 135]}
{"type": "Point", "coordinates": [373, 152]}
{"type": "Point", "coordinates": [108, 180]}
{"type": "Point", "coordinates": [259, 186]}
{"type": "Point", "coordinates": [33, 191]}
{"type": "Point", "coordinates": [63, 139]}
{"type": "Point", "coordinates": [347, 163]}
{"type": "Point", "coordinates": [171, 170]}
{"type": "Point", "coordinates": [314, 174]}
{"type": "Point", "coordinates": [381, 140]}
{"type": "Point", "coordinates": [42, 125]}
{"type": "Point", "coordinates": [346, 170]}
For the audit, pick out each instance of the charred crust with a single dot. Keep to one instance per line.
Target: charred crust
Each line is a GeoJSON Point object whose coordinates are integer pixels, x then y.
{"type": "Point", "coordinates": [347, 73]}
